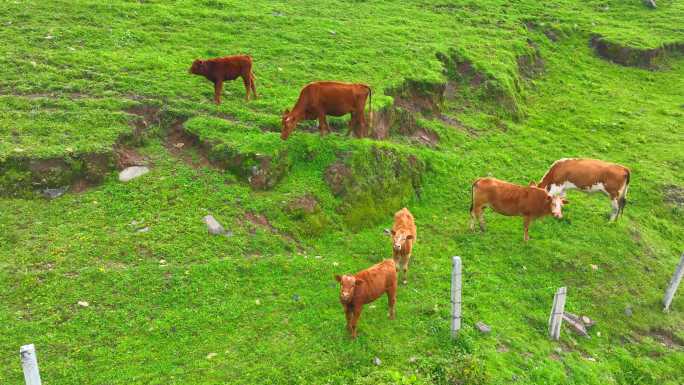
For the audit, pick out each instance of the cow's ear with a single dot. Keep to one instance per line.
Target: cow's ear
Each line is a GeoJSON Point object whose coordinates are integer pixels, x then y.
{"type": "Point", "coordinates": [393, 232]}
{"type": "Point", "coordinates": [565, 201]}
{"type": "Point", "coordinates": [338, 278]}
{"type": "Point", "coordinates": [359, 282]}
{"type": "Point", "coordinates": [409, 237]}
{"type": "Point", "coordinates": [532, 184]}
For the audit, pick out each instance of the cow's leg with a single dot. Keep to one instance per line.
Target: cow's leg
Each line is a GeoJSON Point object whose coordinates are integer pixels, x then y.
{"type": "Point", "coordinates": [348, 316]}
{"type": "Point", "coordinates": [361, 122]}
{"type": "Point", "coordinates": [355, 320]}
{"type": "Point", "coordinates": [218, 88]}
{"type": "Point", "coordinates": [615, 204]}
{"type": "Point", "coordinates": [322, 123]}
{"type": "Point", "coordinates": [392, 298]}
{"type": "Point", "coordinates": [352, 124]}
{"type": "Point", "coordinates": [404, 267]}
{"type": "Point", "coordinates": [252, 85]}
{"type": "Point", "coordinates": [527, 221]}
{"type": "Point", "coordinates": [246, 82]}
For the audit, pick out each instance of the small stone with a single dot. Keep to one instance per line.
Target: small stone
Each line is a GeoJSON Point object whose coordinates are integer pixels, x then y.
{"type": "Point", "coordinates": [295, 297]}
{"type": "Point", "coordinates": [558, 350]}
{"type": "Point", "coordinates": [594, 267]}
{"type": "Point", "coordinates": [131, 173]}
{"type": "Point", "coordinates": [387, 231]}
{"type": "Point", "coordinates": [143, 230]}
{"type": "Point", "coordinates": [34, 63]}
{"type": "Point", "coordinates": [482, 327]}
{"type": "Point", "coordinates": [211, 355]}
{"type": "Point", "coordinates": [335, 264]}
{"type": "Point", "coordinates": [628, 311]}
{"type": "Point", "coordinates": [377, 361]}
{"type": "Point", "coordinates": [52, 193]}
{"type": "Point", "coordinates": [213, 226]}
{"type": "Point", "coordinates": [257, 302]}
{"type": "Point", "coordinates": [83, 303]}
{"type": "Point", "coordinates": [588, 322]}
{"type": "Point", "coordinates": [333, 32]}
{"type": "Point", "coordinates": [179, 145]}
{"type": "Point", "coordinates": [18, 149]}
{"type": "Point", "coordinates": [49, 37]}
{"type": "Point", "coordinates": [135, 223]}
{"type": "Point", "coordinates": [598, 334]}
{"type": "Point", "coordinates": [413, 360]}
{"type": "Point", "coordinates": [318, 257]}
{"type": "Point", "coordinates": [162, 261]}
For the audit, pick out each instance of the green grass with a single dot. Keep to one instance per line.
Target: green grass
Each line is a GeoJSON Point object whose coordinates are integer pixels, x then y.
{"type": "Point", "coordinates": [152, 322]}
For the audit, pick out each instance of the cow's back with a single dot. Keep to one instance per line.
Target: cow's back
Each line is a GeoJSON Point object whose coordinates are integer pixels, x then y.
{"type": "Point", "coordinates": [378, 279]}
{"type": "Point", "coordinates": [335, 98]}
{"type": "Point", "coordinates": [583, 172]}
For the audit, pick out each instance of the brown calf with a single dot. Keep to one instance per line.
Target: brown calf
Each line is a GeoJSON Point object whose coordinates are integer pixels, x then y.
{"type": "Point", "coordinates": [226, 68]}
{"type": "Point", "coordinates": [403, 236]}
{"type": "Point", "coordinates": [318, 99]}
{"type": "Point", "coordinates": [589, 175]}
{"type": "Point", "coordinates": [365, 287]}
{"type": "Point", "coordinates": [505, 198]}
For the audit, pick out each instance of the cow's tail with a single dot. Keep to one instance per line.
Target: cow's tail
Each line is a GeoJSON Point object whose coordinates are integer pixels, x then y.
{"type": "Point", "coordinates": [472, 195]}
{"type": "Point", "coordinates": [622, 202]}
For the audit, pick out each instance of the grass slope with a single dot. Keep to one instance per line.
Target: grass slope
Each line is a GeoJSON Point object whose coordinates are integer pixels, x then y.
{"type": "Point", "coordinates": [263, 300]}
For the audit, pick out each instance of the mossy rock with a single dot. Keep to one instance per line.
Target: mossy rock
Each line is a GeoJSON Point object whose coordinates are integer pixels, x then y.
{"type": "Point", "coordinates": [374, 184]}
{"type": "Point", "coordinates": [22, 176]}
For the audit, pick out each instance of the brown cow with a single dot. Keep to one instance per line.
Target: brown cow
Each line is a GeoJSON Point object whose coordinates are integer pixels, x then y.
{"type": "Point", "coordinates": [365, 287]}
{"type": "Point", "coordinates": [589, 175]}
{"type": "Point", "coordinates": [403, 236]}
{"type": "Point", "coordinates": [505, 198]}
{"type": "Point", "coordinates": [226, 68]}
{"type": "Point", "coordinates": [318, 99]}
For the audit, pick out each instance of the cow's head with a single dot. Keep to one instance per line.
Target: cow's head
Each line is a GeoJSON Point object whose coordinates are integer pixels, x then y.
{"type": "Point", "coordinates": [556, 203]}
{"type": "Point", "coordinates": [289, 123]}
{"type": "Point", "coordinates": [199, 67]}
{"type": "Point", "coordinates": [348, 284]}
{"type": "Point", "coordinates": [399, 239]}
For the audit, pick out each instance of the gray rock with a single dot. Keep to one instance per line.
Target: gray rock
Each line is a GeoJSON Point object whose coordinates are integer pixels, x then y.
{"type": "Point", "coordinates": [295, 297]}
{"type": "Point", "coordinates": [650, 3]}
{"type": "Point", "coordinates": [213, 225]}
{"type": "Point", "coordinates": [413, 360]}
{"type": "Point", "coordinates": [53, 193]}
{"type": "Point", "coordinates": [131, 173]}
{"type": "Point", "coordinates": [143, 230]}
{"type": "Point", "coordinates": [377, 361]}
{"type": "Point", "coordinates": [588, 322]}
{"type": "Point", "coordinates": [482, 327]}
{"type": "Point", "coordinates": [628, 311]}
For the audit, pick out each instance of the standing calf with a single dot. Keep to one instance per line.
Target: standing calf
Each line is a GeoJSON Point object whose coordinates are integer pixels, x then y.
{"type": "Point", "coordinates": [365, 287]}
{"type": "Point", "coordinates": [505, 198]}
{"type": "Point", "coordinates": [226, 68]}
{"type": "Point", "coordinates": [589, 175]}
{"type": "Point", "coordinates": [403, 236]}
{"type": "Point", "coordinates": [318, 99]}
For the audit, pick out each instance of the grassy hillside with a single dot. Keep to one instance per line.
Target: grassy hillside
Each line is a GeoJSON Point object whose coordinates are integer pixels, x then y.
{"type": "Point", "coordinates": [462, 90]}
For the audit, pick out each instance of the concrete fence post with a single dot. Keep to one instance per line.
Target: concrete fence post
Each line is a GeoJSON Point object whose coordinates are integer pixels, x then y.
{"type": "Point", "coordinates": [456, 281]}
{"type": "Point", "coordinates": [29, 363]}
{"type": "Point", "coordinates": [674, 283]}
{"type": "Point", "coordinates": [556, 316]}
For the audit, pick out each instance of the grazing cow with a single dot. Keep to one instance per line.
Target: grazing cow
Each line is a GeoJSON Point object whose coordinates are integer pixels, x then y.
{"type": "Point", "coordinates": [226, 68]}
{"type": "Point", "coordinates": [365, 287]}
{"type": "Point", "coordinates": [589, 175]}
{"type": "Point", "coordinates": [403, 236]}
{"type": "Point", "coordinates": [318, 99]}
{"type": "Point", "coordinates": [505, 198]}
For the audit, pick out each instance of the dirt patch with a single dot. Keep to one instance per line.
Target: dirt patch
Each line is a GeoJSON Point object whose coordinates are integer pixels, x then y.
{"type": "Point", "coordinates": [426, 137]}
{"type": "Point", "coordinates": [553, 34]}
{"type": "Point", "coordinates": [674, 195]}
{"type": "Point", "coordinates": [667, 338]}
{"type": "Point", "coordinates": [259, 220]}
{"type": "Point", "coordinates": [179, 144]}
{"type": "Point", "coordinates": [336, 175]}
{"type": "Point", "coordinates": [128, 156]}
{"type": "Point", "coordinates": [306, 203]}
{"type": "Point", "coordinates": [532, 65]}
{"type": "Point", "coordinates": [647, 58]}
